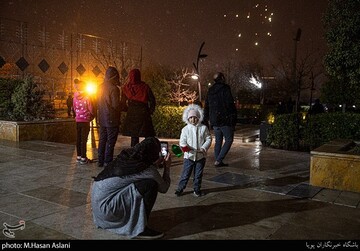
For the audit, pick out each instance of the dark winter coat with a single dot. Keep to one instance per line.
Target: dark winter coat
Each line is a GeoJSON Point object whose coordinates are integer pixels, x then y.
{"type": "Point", "coordinates": [317, 108]}
{"type": "Point", "coordinates": [220, 109]}
{"type": "Point", "coordinates": [108, 103]}
{"type": "Point", "coordinates": [139, 99]}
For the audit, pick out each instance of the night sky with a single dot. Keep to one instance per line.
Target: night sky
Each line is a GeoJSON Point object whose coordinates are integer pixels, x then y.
{"type": "Point", "coordinates": [171, 31]}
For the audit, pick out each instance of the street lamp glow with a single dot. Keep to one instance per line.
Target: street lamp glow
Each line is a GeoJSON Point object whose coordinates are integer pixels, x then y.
{"type": "Point", "coordinates": [195, 77]}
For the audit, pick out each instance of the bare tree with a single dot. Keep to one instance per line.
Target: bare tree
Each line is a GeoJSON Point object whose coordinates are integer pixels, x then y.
{"type": "Point", "coordinates": [308, 70]}
{"type": "Point", "coordinates": [181, 92]}
{"type": "Point", "coordinates": [108, 54]}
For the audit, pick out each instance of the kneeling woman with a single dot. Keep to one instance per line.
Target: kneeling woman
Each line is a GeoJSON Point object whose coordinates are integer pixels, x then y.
{"type": "Point", "coordinates": [124, 193]}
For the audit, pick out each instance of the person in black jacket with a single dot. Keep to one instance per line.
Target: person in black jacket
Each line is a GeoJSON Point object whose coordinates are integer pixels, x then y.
{"type": "Point", "coordinates": [317, 108]}
{"type": "Point", "coordinates": [69, 104]}
{"type": "Point", "coordinates": [140, 103]}
{"type": "Point", "coordinates": [109, 112]}
{"type": "Point", "coordinates": [220, 111]}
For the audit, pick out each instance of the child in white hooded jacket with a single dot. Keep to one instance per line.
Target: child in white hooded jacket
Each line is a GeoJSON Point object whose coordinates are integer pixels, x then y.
{"type": "Point", "coordinates": [195, 141]}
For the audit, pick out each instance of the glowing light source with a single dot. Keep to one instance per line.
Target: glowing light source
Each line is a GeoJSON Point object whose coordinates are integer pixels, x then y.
{"type": "Point", "coordinates": [257, 26]}
{"type": "Point", "coordinates": [255, 82]}
{"type": "Point", "coordinates": [195, 76]}
{"type": "Point", "coordinates": [91, 87]}
{"type": "Point", "coordinates": [271, 118]}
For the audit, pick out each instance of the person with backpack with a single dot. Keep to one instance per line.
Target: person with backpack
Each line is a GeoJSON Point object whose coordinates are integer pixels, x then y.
{"type": "Point", "coordinates": [220, 112]}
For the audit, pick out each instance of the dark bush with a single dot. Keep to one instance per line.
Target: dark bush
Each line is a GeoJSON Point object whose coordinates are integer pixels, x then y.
{"type": "Point", "coordinates": [325, 127]}
{"type": "Point", "coordinates": [167, 121]}
{"type": "Point", "coordinates": [314, 131]}
{"type": "Point", "coordinates": [22, 100]}
{"type": "Point", "coordinates": [284, 132]}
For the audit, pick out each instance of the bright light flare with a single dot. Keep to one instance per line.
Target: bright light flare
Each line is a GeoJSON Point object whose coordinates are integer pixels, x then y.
{"type": "Point", "coordinates": [271, 118]}
{"type": "Point", "coordinates": [195, 77]}
{"type": "Point", "coordinates": [255, 82]}
{"type": "Point", "coordinates": [90, 88]}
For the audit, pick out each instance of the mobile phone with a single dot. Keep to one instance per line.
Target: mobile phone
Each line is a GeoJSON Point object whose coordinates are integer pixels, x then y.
{"type": "Point", "coordinates": [164, 148]}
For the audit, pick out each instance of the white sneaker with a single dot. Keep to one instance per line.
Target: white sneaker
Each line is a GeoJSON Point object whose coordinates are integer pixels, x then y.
{"type": "Point", "coordinates": [84, 161]}
{"type": "Point", "coordinates": [198, 193]}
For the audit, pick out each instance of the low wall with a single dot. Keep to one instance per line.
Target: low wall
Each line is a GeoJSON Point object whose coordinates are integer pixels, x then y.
{"type": "Point", "coordinates": [331, 166]}
{"type": "Point", "coordinates": [57, 130]}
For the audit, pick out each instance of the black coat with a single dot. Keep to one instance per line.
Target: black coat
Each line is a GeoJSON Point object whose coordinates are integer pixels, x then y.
{"type": "Point", "coordinates": [220, 109]}
{"type": "Point", "coordinates": [138, 121]}
{"type": "Point", "coordinates": [108, 104]}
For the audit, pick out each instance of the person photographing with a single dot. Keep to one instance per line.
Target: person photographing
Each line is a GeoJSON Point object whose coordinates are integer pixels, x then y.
{"type": "Point", "coordinates": [124, 193]}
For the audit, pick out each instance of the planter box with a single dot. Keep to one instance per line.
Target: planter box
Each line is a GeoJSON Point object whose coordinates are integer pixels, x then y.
{"type": "Point", "coordinates": [334, 166]}
{"type": "Point", "coordinates": [57, 130]}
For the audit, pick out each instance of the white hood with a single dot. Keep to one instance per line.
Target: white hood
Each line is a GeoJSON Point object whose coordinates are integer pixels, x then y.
{"type": "Point", "coordinates": [193, 107]}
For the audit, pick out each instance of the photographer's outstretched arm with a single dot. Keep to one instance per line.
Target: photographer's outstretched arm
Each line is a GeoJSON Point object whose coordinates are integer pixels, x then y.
{"type": "Point", "coordinates": [166, 165]}
{"type": "Point", "coordinates": [165, 183]}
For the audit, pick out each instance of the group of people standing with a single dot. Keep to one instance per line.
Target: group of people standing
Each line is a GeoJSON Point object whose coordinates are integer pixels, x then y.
{"type": "Point", "coordinates": [135, 98]}
{"type": "Point", "coordinates": [124, 192]}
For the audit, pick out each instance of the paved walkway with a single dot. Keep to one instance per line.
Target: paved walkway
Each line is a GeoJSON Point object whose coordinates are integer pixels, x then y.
{"type": "Point", "coordinates": [264, 194]}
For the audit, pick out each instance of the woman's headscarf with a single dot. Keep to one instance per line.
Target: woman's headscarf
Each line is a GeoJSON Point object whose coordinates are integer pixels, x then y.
{"type": "Point", "coordinates": [132, 160]}
{"type": "Point", "coordinates": [135, 88]}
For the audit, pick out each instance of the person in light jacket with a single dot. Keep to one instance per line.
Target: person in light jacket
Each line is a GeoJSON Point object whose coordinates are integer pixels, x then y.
{"type": "Point", "coordinates": [195, 141]}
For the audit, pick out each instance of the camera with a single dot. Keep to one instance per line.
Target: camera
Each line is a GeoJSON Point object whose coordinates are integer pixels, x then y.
{"type": "Point", "coordinates": [164, 148]}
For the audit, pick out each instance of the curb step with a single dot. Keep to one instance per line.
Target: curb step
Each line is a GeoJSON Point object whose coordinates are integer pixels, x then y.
{"type": "Point", "coordinates": [247, 139]}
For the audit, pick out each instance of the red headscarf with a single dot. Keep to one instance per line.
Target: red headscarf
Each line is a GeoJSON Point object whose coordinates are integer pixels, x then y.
{"type": "Point", "coordinates": [135, 89]}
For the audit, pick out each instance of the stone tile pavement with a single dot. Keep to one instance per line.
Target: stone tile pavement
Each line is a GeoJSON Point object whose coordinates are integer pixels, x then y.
{"type": "Point", "coordinates": [264, 194]}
